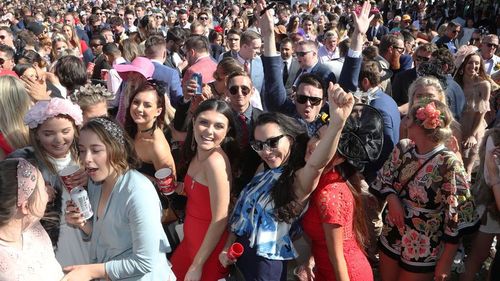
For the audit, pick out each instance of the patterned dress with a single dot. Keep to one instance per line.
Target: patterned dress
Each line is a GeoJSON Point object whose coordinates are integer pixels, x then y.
{"type": "Point", "coordinates": [438, 205]}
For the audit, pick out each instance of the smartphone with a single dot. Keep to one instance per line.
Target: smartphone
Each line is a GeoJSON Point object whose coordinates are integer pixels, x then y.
{"type": "Point", "coordinates": [268, 7]}
{"type": "Point", "coordinates": [199, 79]}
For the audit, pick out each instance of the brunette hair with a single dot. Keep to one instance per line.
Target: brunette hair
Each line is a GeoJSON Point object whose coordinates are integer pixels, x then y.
{"type": "Point", "coordinates": [121, 156]}
{"type": "Point", "coordinates": [229, 144]}
{"type": "Point", "coordinates": [459, 74]}
{"type": "Point", "coordinates": [286, 207]}
{"type": "Point", "coordinates": [148, 85]}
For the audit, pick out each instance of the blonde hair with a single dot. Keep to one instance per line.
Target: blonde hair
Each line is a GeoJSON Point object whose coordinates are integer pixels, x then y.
{"type": "Point", "coordinates": [426, 81]}
{"type": "Point", "coordinates": [74, 41]}
{"type": "Point", "coordinates": [440, 134]}
{"type": "Point", "coordinates": [14, 102]}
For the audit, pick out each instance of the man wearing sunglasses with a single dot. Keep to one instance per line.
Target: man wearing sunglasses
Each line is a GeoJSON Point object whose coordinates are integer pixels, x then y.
{"type": "Point", "coordinates": [489, 46]}
{"type": "Point", "coordinates": [6, 57]}
{"type": "Point", "coordinates": [403, 79]}
{"type": "Point", "coordinates": [6, 36]}
{"type": "Point", "coordinates": [310, 87]}
{"type": "Point", "coordinates": [239, 92]}
{"type": "Point", "coordinates": [307, 55]}
{"type": "Point", "coordinates": [448, 40]}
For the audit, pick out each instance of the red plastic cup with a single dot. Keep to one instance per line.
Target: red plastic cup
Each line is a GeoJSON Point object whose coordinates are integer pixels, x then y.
{"type": "Point", "coordinates": [235, 251]}
{"type": "Point", "coordinates": [66, 175]}
{"type": "Point", "coordinates": [104, 74]}
{"type": "Point", "coordinates": [165, 181]}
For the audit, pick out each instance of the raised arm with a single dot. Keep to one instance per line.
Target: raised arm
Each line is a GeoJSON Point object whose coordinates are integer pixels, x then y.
{"type": "Point", "coordinates": [348, 79]}
{"type": "Point", "coordinates": [275, 97]}
{"type": "Point", "coordinates": [340, 104]}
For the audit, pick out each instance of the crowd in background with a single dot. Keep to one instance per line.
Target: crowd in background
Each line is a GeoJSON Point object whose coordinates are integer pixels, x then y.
{"type": "Point", "coordinates": [331, 139]}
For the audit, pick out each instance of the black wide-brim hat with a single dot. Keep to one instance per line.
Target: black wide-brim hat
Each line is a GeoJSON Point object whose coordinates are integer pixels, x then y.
{"type": "Point", "coordinates": [362, 136]}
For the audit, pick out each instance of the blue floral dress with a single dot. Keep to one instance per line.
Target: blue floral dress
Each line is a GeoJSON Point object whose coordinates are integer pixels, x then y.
{"type": "Point", "coordinates": [438, 205]}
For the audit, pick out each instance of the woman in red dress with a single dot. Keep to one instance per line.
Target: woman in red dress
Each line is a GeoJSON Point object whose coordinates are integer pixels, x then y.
{"type": "Point", "coordinates": [334, 221]}
{"type": "Point", "coordinates": [209, 143]}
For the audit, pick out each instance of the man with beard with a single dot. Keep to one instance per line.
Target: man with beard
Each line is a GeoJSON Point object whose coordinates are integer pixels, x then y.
{"type": "Point", "coordinates": [390, 50]}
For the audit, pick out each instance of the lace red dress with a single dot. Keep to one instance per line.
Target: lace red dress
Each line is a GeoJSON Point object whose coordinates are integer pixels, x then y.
{"type": "Point", "coordinates": [332, 202]}
{"type": "Point", "coordinates": [198, 217]}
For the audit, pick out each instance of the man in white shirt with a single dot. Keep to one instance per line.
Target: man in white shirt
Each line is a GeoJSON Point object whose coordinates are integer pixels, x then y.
{"type": "Point", "coordinates": [489, 45]}
{"type": "Point", "coordinates": [329, 51]}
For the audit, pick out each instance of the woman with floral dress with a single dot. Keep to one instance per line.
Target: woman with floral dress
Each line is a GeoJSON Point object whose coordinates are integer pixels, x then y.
{"type": "Point", "coordinates": [429, 204]}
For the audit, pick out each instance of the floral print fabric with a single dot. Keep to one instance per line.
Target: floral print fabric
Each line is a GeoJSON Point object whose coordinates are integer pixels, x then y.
{"type": "Point", "coordinates": [438, 205]}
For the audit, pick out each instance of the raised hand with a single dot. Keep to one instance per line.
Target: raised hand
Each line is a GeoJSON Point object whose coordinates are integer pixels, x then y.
{"type": "Point", "coordinates": [266, 20]}
{"type": "Point", "coordinates": [341, 103]}
{"type": "Point", "coordinates": [362, 22]}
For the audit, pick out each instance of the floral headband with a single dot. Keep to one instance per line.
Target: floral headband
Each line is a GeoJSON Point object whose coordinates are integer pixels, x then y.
{"type": "Point", "coordinates": [112, 128]}
{"type": "Point", "coordinates": [430, 117]}
{"type": "Point", "coordinates": [26, 180]}
{"type": "Point", "coordinates": [44, 110]}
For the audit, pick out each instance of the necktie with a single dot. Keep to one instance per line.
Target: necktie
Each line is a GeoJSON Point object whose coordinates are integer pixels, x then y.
{"type": "Point", "coordinates": [246, 65]}
{"type": "Point", "coordinates": [244, 130]}
{"type": "Point", "coordinates": [285, 71]}
{"type": "Point", "coordinates": [299, 73]}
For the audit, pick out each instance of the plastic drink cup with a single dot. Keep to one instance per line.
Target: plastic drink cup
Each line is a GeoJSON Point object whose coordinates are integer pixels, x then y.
{"type": "Point", "coordinates": [66, 175]}
{"type": "Point", "coordinates": [104, 74]}
{"type": "Point", "coordinates": [81, 199]}
{"type": "Point", "coordinates": [235, 251]}
{"type": "Point", "coordinates": [165, 181]}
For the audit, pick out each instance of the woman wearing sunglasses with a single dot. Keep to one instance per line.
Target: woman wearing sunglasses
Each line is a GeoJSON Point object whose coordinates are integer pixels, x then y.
{"type": "Point", "coordinates": [266, 212]}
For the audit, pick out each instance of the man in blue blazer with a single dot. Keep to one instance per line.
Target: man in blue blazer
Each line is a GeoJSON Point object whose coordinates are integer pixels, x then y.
{"type": "Point", "coordinates": [250, 44]}
{"type": "Point", "coordinates": [311, 87]}
{"type": "Point", "coordinates": [156, 51]}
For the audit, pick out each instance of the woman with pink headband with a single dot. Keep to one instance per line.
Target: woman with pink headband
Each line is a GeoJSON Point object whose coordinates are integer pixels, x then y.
{"type": "Point", "coordinates": [25, 249]}
{"type": "Point", "coordinates": [53, 130]}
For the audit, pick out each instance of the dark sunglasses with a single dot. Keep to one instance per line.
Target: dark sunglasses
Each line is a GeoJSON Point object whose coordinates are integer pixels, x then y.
{"type": "Point", "coordinates": [203, 18]}
{"type": "Point", "coordinates": [455, 31]}
{"type": "Point", "coordinates": [491, 45]}
{"type": "Point", "coordinates": [270, 143]}
{"type": "Point", "coordinates": [312, 100]}
{"type": "Point", "coordinates": [301, 54]}
{"type": "Point", "coordinates": [2, 37]}
{"type": "Point", "coordinates": [399, 49]}
{"type": "Point", "coordinates": [2, 61]}
{"type": "Point", "coordinates": [422, 59]}
{"type": "Point", "coordinates": [233, 90]}
{"type": "Point", "coordinates": [99, 14]}
{"type": "Point", "coordinates": [159, 17]}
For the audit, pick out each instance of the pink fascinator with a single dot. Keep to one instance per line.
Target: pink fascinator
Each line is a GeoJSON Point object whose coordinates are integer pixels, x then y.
{"type": "Point", "coordinates": [462, 53]}
{"type": "Point", "coordinates": [26, 180]}
{"type": "Point", "coordinates": [44, 110]}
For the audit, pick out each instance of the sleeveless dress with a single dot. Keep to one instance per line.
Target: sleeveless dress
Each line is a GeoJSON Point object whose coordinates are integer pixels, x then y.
{"type": "Point", "coordinates": [196, 223]}
{"type": "Point", "coordinates": [333, 203]}
{"type": "Point", "coordinates": [474, 102]}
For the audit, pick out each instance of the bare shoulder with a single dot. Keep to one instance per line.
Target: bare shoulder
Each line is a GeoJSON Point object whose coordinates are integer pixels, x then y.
{"type": "Point", "coordinates": [483, 85]}
{"type": "Point", "coordinates": [217, 159]}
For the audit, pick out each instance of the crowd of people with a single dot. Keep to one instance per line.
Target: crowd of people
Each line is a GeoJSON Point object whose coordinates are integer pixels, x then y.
{"type": "Point", "coordinates": [327, 138]}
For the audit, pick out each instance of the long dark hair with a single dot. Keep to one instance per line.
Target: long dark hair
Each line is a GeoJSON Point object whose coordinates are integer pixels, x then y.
{"type": "Point", "coordinates": [347, 171]}
{"type": "Point", "coordinates": [285, 205]}
{"type": "Point", "coordinates": [148, 85]}
{"type": "Point", "coordinates": [229, 144]}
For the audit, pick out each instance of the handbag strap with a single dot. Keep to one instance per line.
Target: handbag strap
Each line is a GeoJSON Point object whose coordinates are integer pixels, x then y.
{"type": "Point", "coordinates": [419, 168]}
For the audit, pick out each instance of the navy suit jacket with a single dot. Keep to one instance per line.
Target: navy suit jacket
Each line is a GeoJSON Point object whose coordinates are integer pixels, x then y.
{"type": "Point", "coordinates": [401, 83]}
{"type": "Point", "coordinates": [171, 77]}
{"type": "Point", "coordinates": [275, 96]}
{"type": "Point", "coordinates": [382, 30]}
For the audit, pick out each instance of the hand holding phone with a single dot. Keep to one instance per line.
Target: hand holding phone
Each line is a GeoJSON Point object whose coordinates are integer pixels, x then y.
{"type": "Point", "coordinates": [198, 77]}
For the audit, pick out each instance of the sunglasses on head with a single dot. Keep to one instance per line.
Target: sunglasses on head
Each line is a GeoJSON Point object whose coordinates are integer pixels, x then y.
{"type": "Point", "coordinates": [312, 100]}
{"type": "Point", "coordinates": [270, 143]}
{"type": "Point", "coordinates": [233, 90]}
